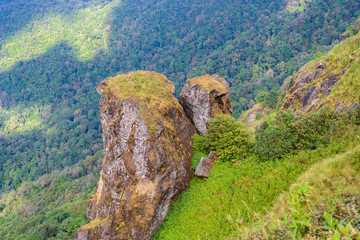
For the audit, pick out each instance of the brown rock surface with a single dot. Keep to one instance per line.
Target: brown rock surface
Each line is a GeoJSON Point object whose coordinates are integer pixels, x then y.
{"type": "Point", "coordinates": [204, 167]}
{"type": "Point", "coordinates": [147, 157]}
{"type": "Point", "coordinates": [308, 90]}
{"type": "Point", "coordinates": [331, 81]}
{"type": "Point", "coordinates": [205, 97]}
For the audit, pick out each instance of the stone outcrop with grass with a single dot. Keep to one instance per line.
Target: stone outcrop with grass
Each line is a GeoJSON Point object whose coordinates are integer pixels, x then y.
{"type": "Point", "coordinates": [147, 157]}
{"type": "Point", "coordinates": [332, 80]}
{"type": "Point", "coordinates": [205, 97]}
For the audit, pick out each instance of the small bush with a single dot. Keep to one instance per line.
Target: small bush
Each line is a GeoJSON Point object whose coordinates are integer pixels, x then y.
{"type": "Point", "coordinates": [285, 134]}
{"type": "Point", "coordinates": [199, 143]}
{"type": "Point", "coordinates": [227, 137]}
{"type": "Point", "coordinates": [274, 142]}
{"type": "Point", "coordinates": [261, 97]}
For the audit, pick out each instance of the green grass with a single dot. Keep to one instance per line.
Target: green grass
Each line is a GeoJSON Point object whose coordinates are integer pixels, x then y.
{"type": "Point", "coordinates": [197, 157]}
{"type": "Point", "coordinates": [346, 55]}
{"type": "Point", "coordinates": [152, 92]}
{"type": "Point", "coordinates": [141, 85]}
{"type": "Point", "coordinates": [329, 181]}
{"type": "Point", "coordinates": [233, 198]}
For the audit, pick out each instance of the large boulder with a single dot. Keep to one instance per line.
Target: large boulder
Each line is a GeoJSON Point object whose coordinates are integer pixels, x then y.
{"type": "Point", "coordinates": [205, 97]}
{"type": "Point", "coordinates": [147, 157]}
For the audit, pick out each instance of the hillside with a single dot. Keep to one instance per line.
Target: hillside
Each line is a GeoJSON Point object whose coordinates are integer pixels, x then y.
{"type": "Point", "coordinates": [48, 79]}
{"type": "Point", "coordinates": [53, 54]}
{"type": "Point", "coordinates": [331, 80]}
{"type": "Point", "coordinates": [302, 179]}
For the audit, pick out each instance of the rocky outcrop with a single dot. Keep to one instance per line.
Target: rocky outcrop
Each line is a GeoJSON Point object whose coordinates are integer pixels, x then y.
{"type": "Point", "coordinates": [309, 90]}
{"type": "Point", "coordinates": [147, 157]}
{"type": "Point", "coordinates": [331, 81]}
{"type": "Point", "coordinates": [307, 93]}
{"type": "Point", "coordinates": [250, 115]}
{"type": "Point", "coordinates": [204, 167]}
{"type": "Point", "coordinates": [205, 97]}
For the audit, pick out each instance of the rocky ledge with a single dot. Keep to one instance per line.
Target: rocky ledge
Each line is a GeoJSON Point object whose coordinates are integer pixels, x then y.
{"type": "Point", "coordinates": [147, 156]}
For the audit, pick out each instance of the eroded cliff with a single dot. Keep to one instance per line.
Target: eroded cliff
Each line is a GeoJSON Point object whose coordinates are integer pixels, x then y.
{"type": "Point", "coordinates": [147, 157]}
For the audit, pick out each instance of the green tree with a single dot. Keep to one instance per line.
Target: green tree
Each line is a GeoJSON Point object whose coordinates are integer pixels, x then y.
{"type": "Point", "coordinates": [261, 97]}
{"type": "Point", "coordinates": [271, 99]}
{"type": "Point", "coordinates": [275, 138]}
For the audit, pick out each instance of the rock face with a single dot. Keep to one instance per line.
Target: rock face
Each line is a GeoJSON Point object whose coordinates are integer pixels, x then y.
{"type": "Point", "coordinates": [331, 81]}
{"type": "Point", "coordinates": [309, 89]}
{"type": "Point", "coordinates": [147, 157]}
{"type": "Point", "coordinates": [205, 165]}
{"type": "Point", "coordinates": [205, 97]}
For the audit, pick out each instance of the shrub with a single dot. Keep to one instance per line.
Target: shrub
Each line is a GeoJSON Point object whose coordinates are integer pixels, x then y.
{"type": "Point", "coordinates": [228, 138]}
{"type": "Point", "coordinates": [199, 143]}
{"type": "Point", "coordinates": [285, 134]}
{"type": "Point", "coordinates": [274, 142]}
{"type": "Point", "coordinates": [261, 97]}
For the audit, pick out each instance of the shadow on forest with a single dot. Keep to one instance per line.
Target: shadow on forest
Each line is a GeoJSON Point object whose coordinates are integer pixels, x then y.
{"type": "Point", "coordinates": [15, 15]}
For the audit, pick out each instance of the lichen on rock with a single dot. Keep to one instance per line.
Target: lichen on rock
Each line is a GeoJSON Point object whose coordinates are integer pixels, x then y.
{"type": "Point", "coordinates": [147, 157]}
{"type": "Point", "coordinates": [205, 97]}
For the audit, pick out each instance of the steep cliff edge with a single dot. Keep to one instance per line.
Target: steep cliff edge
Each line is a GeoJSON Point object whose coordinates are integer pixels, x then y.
{"type": "Point", "coordinates": [332, 80]}
{"type": "Point", "coordinates": [147, 157]}
{"type": "Point", "coordinates": [205, 97]}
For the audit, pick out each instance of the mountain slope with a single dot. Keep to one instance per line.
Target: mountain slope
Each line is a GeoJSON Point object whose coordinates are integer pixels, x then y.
{"type": "Point", "coordinates": [249, 198]}
{"type": "Point", "coordinates": [54, 53]}
{"type": "Point", "coordinates": [331, 80]}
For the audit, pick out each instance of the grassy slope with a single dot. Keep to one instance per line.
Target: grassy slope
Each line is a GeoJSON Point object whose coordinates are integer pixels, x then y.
{"type": "Point", "coordinates": [346, 55]}
{"type": "Point", "coordinates": [233, 198]}
{"type": "Point", "coordinates": [328, 180]}
{"type": "Point", "coordinates": [331, 176]}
